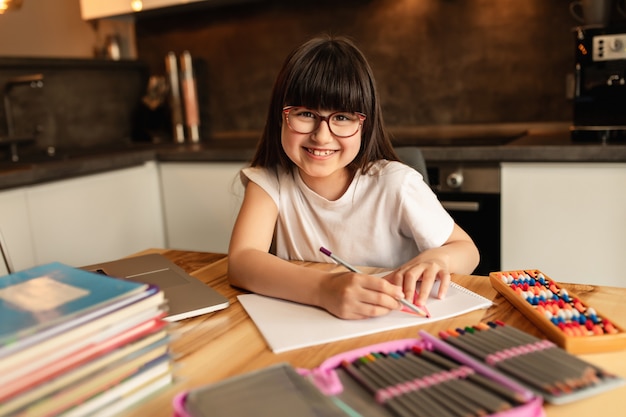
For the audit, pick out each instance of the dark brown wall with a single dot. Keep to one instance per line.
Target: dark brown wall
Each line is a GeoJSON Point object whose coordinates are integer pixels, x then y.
{"type": "Point", "coordinates": [437, 62]}
{"type": "Point", "coordinates": [82, 104]}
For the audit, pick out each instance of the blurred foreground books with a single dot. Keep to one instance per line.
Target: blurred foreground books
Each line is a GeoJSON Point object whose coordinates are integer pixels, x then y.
{"type": "Point", "coordinates": [77, 343]}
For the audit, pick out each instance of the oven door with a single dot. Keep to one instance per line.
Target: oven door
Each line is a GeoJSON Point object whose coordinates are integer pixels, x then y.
{"type": "Point", "coordinates": [479, 215]}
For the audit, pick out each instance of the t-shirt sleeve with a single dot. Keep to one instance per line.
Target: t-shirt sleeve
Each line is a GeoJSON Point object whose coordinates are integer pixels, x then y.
{"type": "Point", "coordinates": [264, 178]}
{"type": "Point", "coordinates": [423, 216]}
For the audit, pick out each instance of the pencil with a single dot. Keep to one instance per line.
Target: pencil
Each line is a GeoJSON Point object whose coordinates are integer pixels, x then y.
{"type": "Point", "coordinates": [422, 311]}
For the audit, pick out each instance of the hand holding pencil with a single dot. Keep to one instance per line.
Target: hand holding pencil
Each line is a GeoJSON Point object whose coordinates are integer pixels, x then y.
{"type": "Point", "coordinates": [420, 310]}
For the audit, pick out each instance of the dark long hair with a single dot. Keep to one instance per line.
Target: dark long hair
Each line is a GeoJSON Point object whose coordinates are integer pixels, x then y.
{"type": "Point", "coordinates": [326, 73]}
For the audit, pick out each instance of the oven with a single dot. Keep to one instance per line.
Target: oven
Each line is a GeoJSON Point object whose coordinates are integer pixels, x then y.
{"type": "Point", "coordinates": [470, 192]}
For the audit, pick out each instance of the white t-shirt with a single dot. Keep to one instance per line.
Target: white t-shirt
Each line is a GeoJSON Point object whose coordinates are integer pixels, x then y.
{"type": "Point", "coordinates": [385, 218]}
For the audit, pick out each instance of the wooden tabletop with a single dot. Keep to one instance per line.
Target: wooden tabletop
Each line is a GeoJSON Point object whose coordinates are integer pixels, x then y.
{"type": "Point", "coordinates": [219, 345]}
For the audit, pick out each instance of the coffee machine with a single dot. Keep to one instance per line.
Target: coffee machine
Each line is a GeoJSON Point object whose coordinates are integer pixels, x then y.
{"type": "Point", "coordinates": [600, 85]}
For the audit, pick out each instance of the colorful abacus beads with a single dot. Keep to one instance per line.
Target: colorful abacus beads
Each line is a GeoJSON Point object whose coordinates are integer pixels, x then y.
{"type": "Point", "coordinates": [567, 313]}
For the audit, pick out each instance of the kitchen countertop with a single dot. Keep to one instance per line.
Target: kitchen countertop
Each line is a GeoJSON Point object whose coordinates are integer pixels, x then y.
{"type": "Point", "coordinates": [482, 144]}
{"type": "Point", "coordinates": [548, 147]}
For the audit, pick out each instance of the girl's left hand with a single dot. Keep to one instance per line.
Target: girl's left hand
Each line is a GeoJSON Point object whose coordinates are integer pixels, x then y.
{"type": "Point", "coordinates": [427, 271]}
{"type": "Point", "coordinates": [458, 254]}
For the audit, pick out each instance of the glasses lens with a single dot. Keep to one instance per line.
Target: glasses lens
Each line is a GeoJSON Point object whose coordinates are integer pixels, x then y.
{"type": "Point", "coordinates": [302, 120]}
{"type": "Point", "coordinates": [342, 124]}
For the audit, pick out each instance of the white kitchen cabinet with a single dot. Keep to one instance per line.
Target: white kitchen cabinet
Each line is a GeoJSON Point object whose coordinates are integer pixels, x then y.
{"type": "Point", "coordinates": [95, 9]}
{"type": "Point", "coordinates": [155, 4]}
{"type": "Point", "coordinates": [97, 217]}
{"type": "Point", "coordinates": [200, 204]}
{"type": "Point", "coordinates": [566, 219]}
{"type": "Point", "coordinates": [15, 227]}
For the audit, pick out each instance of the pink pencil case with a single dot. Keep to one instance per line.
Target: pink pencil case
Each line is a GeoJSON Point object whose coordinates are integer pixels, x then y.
{"type": "Point", "coordinates": [328, 390]}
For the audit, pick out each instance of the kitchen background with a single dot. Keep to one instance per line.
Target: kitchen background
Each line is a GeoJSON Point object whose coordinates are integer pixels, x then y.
{"type": "Point", "coordinates": [437, 62]}
{"type": "Point", "coordinates": [481, 68]}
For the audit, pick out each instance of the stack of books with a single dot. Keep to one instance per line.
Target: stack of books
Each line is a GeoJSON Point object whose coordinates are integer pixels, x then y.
{"type": "Point", "coordinates": [77, 343]}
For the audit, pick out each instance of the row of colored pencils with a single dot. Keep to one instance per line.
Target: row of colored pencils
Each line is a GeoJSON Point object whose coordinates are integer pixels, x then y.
{"type": "Point", "coordinates": [426, 383]}
{"type": "Point", "coordinates": [538, 363]}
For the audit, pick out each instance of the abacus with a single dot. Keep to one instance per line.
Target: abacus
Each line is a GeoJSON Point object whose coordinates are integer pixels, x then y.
{"type": "Point", "coordinates": [561, 315]}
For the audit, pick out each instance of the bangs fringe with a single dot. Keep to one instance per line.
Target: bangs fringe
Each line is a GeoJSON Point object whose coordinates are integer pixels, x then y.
{"type": "Point", "coordinates": [328, 83]}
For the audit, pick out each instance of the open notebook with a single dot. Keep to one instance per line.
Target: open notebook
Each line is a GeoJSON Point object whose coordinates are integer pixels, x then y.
{"type": "Point", "coordinates": [286, 325]}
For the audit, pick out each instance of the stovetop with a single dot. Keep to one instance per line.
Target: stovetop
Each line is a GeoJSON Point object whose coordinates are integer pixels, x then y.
{"type": "Point", "coordinates": [460, 135]}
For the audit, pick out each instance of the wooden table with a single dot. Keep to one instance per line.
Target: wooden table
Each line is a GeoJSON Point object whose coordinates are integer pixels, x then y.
{"type": "Point", "coordinates": [219, 345]}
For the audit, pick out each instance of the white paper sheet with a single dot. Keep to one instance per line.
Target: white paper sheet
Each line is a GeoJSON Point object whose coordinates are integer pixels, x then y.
{"type": "Point", "coordinates": [287, 325]}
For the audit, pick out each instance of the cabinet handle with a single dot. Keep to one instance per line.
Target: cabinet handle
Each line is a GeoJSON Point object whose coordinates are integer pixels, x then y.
{"type": "Point", "coordinates": [461, 205]}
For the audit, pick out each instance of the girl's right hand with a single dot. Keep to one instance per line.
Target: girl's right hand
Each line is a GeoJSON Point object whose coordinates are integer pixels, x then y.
{"type": "Point", "coordinates": [349, 295]}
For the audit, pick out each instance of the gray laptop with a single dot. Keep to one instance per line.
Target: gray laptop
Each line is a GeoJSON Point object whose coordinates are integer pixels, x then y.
{"type": "Point", "coordinates": [187, 296]}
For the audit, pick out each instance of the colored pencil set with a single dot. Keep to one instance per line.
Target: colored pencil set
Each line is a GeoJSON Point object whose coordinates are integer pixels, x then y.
{"type": "Point", "coordinates": [419, 382]}
{"type": "Point", "coordinates": [484, 370]}
{"type": "Point", "coordinates": [566, 320]}
{"type": "Point", "coordinates": [537, 363]}
{"type": "Point", "coordinates": [421, 377]}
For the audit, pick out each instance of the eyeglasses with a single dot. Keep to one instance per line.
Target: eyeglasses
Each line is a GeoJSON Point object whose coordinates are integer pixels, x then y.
{"type": "Point", "coordinates": [342, 124]}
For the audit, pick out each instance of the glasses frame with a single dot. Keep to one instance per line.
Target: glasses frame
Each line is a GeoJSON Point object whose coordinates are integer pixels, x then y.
{"type": "Point", "coordinates": [288, 109]}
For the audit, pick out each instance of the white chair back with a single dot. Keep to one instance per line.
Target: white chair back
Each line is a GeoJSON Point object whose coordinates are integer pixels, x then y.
{"type": "Point", "coordinates": [6, 267]}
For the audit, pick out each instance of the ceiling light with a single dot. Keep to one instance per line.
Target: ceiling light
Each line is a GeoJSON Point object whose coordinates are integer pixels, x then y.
{"type": "Point", "coordinates": [136, 5]}
{"type": "Point", "coordinates": [8, 5]}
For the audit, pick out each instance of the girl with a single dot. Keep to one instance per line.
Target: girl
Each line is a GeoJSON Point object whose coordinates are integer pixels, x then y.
{"type": "Point", "coordinates": [325, 174]}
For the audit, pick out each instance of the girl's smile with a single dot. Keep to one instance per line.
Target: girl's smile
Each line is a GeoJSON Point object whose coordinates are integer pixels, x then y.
{"type": "Point", "coordinates": [320, 152]}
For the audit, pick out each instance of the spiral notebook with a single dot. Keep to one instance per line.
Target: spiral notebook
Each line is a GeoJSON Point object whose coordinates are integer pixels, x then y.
{"type": "Point", "coordinates": [286, 325]}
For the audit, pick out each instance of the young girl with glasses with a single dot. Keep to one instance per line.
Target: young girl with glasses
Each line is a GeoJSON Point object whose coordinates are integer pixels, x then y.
{"type": "Point", "coordinates": [325, 175]}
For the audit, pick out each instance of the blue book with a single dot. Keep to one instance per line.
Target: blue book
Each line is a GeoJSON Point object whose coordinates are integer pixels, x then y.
{"type": "Point", "coordinates": [44, 296]}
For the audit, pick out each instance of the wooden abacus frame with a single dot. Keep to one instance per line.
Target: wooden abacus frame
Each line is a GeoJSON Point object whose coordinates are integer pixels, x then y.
{"type": "Point", "coordinates": [572, 344]}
